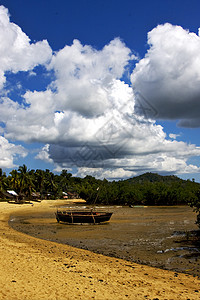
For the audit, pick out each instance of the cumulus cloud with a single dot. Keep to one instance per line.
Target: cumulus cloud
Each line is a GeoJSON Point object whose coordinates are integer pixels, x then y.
{"type": "Point", "coordinates": [167, 79]}
{"type": "Point", "coordinates": [127, 156]}
{"type": "Point", "coordinates": [160, 163]}
{"type": "Point", "coordinates": [87, 118]}
{"type": "Point", "coordinates": [8, 153]}
{"type": "Point", "coordinates": [174, 136]}
{"type": "Point", "coordinates": [84, 76]}
{"type": "Point", "coordinates": [17, 53]}
{"type": "Point", "coordinates": [85, 92]}
{"type": "Point", "coordinates": [101, 173]}
{"type": "Point", "coordinates": [118, 144]}
{"type": "Point", "coordinates": [44, 154]}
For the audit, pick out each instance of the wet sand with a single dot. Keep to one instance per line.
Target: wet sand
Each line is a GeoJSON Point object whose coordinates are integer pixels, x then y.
{"type": "Point", "coordinates": [163, 237]}
{"type": "Point", "coordinates": [33, 268]}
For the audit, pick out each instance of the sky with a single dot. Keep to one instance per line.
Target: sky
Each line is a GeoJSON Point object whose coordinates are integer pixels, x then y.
{"type": "Point", "coordinates": [106, 88]}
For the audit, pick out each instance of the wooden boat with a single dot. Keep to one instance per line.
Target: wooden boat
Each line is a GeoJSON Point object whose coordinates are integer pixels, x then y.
{"type": "Point", "coordinates": [83, 216]}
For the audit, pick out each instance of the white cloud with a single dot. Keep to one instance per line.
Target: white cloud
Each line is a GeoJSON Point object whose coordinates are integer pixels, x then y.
{"type": "Point", "coordinates": [9, 152]}
{"type": "Point", "coordinates": [44, 154]}
{"type": "Point", "coordinates": [123, 147]}
{"type": "Point", "coordinates": [101, 173]}
{"type": "Point", "coordinates": [84, 76]}
{"type": "Point", "coordinates": [160, 163]}
{"type": "Point", "coordinates": [17, 53]}
{"type": "Point", "coordinates": [174, 136]}
{"type": "Point", "coordinates": [33, 121]}
{"type": "Point", "coordinates": [86, 90]}
{"type": "Point", "coordinates": [168, 77]}
{"type": "Point", "coordinates": [86, 116]}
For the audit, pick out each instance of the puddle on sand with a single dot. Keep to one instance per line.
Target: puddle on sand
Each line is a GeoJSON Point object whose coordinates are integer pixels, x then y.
{"type": "Point", "coordinates": [164, 237]}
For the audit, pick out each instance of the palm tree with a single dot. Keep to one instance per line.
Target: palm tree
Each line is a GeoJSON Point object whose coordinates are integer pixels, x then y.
{"type": "Point", "coordinates": [26, 180]}
{"type": "Point", "coordinates": [39, 179]}
{"type": "Point", "coordinates": [64, 180]}
{"type": "Point", "coordinates": [15, 181]}
{"type": "Point", "coordinates": [3, 183]}
{"type": "Point", "coordinates": [50, 183]}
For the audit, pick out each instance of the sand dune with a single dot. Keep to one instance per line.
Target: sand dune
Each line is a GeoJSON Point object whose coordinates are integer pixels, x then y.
{"type": "Point", "coordinates": [37, 269]}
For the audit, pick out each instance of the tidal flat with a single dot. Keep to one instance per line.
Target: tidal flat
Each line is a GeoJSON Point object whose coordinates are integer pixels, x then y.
{"type": "Point", "coordinates": [163, 237]}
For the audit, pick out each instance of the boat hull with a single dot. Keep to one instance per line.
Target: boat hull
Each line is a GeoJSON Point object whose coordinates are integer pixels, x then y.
{"type": "Point", "coordinates": [82, 217]}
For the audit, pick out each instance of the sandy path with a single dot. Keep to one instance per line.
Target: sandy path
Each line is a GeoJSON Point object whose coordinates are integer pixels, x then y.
{"type": "Point", "coordinates": [36, 269]}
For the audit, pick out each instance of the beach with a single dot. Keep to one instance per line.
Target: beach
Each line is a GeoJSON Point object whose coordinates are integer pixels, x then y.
{"type": "Point", "coordinates": [32, 268]}
{"type": "Point", "coordinates": [164, 237]}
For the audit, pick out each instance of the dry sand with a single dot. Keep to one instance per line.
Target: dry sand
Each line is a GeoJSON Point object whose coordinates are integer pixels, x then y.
{"type": "Point", "coordinates": [37, 269]}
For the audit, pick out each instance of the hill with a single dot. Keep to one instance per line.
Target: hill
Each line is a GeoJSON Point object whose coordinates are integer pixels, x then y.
{"type": "Point", "coordinates": [154, 177]}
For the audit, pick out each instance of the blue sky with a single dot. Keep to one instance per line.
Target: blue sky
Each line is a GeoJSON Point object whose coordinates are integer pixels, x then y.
{"type": "Point", "coordinates": [107, 88]}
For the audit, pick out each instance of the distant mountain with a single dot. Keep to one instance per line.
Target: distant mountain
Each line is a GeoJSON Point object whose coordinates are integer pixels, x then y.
{"type": "Point", "coordinates": [154, 177]}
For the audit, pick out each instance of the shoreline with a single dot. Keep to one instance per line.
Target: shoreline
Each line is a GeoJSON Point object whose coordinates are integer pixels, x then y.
{"type": "Point", "coordinates": [32, 268]}
{"type": "Point", "coordinates": [159, 242]}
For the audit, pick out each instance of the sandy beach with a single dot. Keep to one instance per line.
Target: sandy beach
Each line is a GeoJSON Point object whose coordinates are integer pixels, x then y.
{"type": "Point", "coordinates": [32, 268]}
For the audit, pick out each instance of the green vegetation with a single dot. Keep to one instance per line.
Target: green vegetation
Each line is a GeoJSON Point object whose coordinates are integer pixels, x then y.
{"type": "Point", "coordinates": [146, 189]}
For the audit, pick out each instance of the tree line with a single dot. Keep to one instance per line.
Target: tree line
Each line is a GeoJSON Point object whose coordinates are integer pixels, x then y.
{"type": "Point", "coordinates": [146, 189]}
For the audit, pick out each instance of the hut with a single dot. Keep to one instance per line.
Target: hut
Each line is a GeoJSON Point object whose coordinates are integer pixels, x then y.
{"type": "Point", "coordinates": [6, 196]}
{"type": "Point", "coordinates": [9, 195]}
{"type": "Point", "coordinates": [73, 195]}
{"type": "Point", "coordinates": [36, 196]}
